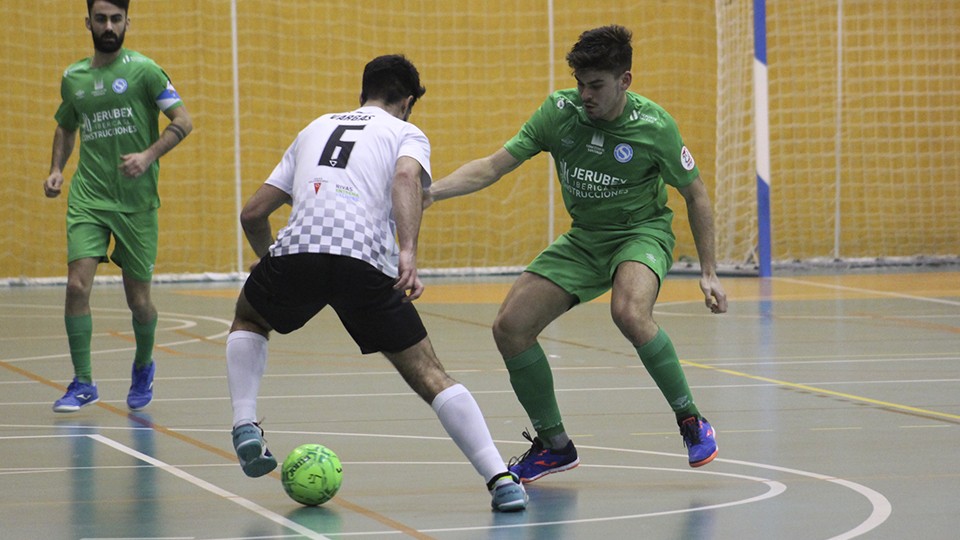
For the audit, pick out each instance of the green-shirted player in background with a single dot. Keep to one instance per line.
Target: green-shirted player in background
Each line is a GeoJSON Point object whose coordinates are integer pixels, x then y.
{"type": "Point", "coordinates": [113, 99]}
{"type": "Point", "coordinates": [615, 153]}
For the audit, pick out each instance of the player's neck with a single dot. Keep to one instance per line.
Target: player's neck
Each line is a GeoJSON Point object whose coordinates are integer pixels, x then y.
{"type": "Point", "coordinates": [395, 109]}
{"type": "Point", "coordinates": [101, 59]}
{"type": "Point", "coordinates": [617, 110]}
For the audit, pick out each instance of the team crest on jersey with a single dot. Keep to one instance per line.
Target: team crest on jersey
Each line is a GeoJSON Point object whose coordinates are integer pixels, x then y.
{"type": "Point", "coordinates": [120, 86]}
{"type": "Point", "coordinates": [686, 159]}
{"type": "Point", "coordinates": [623, 152]}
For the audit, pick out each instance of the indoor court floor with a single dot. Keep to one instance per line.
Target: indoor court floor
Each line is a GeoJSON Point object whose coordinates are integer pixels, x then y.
{"type": "Point", "coordinates": [836, 400]}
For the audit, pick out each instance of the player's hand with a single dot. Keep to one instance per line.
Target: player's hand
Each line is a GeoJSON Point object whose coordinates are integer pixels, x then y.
{"type": "Point", "coordinates": [713, 294]}
{"type": "Point", "coordinates": [53, 185]}
{"type": "Point", "coordinates": [133, 165]}
{"type": "Point", "coordinates": [407, 278]}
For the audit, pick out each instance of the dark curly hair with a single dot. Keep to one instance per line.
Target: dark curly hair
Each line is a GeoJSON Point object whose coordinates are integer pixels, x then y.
{"type": "Point", "coordinates": [391, 78]}
{"type": "Point", "coordinates": [605, 49]}
{"type": "Point", "coordinates": [122, 4]}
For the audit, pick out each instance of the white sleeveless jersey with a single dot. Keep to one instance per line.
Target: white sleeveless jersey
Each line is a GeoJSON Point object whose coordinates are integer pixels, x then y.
{"type": "Point", "coordinates": [339, 173]}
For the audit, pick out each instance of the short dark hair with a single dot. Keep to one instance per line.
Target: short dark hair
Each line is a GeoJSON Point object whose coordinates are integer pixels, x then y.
{"type": "Point", "coordinates": [122, 4]}
{"type": "Point", "coordinates": [604, 49]}
{"type": "Point", "coordinates": [391, 78]}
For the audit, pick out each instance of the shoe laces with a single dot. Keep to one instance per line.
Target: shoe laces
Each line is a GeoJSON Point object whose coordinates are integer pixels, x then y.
{"type": "Point", "coordinates": [536, 447]}
{"type": "Point", "coordinates": [690, 430]}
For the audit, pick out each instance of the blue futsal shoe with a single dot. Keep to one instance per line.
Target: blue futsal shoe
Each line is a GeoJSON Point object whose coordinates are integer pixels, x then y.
{"type": "Point", "coordinates": [78, 395]}
{"type": "Point", "coordinates": [539, 461]}
{"type": "Point", "coordinates": [141, 386]}
{"type": "Point", "coordinates": [700, 440]}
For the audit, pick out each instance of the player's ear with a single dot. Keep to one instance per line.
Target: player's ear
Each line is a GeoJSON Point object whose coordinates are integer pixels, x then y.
{"type": "Point", "coordinates": [86, 21]}
{"type": "Point", "coordinates": [625, 80]}
{"type": "Point", "coordinates": [407, 106]}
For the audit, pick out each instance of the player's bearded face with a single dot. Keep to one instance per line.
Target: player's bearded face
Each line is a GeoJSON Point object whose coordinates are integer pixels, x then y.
{"type": "Point", "coordinates": [108, 41]}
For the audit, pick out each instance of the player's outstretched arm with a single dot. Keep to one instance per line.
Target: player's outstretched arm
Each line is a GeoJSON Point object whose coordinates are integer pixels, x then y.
{"type": "Point", "coordinates": [63, 142]}
{"type": "Point", "coordinates": [700, 214]}
{"type": "Point", "coordinates": [472, 176]}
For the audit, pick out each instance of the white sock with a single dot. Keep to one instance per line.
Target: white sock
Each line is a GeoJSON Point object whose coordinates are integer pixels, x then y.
{"type": "Point", "coordinates": [461, 417]}
{"type": "Point", "coordinates": [246, 362]}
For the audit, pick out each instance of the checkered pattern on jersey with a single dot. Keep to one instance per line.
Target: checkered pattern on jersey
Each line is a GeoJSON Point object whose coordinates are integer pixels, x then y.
{"type": "Point", "coordinates": [338, 228]}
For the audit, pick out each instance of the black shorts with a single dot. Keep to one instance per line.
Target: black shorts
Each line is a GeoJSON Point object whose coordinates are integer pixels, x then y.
{"type": "Point", "coordinates": [288, 291]}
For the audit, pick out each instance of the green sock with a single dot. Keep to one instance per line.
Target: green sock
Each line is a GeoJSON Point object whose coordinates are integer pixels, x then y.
{"type": "Point", "coordinates": [145, 335]}
{"type": "Point", "coordinates": [79, 334]}
{"type": "Point", "coordinates": [661, 361]}
{"type": "Point", "coordinates": [532, 382]}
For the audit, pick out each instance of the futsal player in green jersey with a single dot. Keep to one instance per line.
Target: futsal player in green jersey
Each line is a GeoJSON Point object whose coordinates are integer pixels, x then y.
{"type": "Point", "coordinates": [615, 153]}
{"type": "Point", "coordinates": [113, 99]}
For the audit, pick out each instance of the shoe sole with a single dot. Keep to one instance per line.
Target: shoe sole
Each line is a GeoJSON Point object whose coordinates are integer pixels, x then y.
{"type": "Point", "coordinates": [259, 467]}
{"type": "Point", "coordinates": [141, 407]}
{"type": "Point", "coordinates": [514, 505]}
{"type": "Point", "coordinates": [703, 462]}
{"type": "Point", "coordinates": [566, 467]}
{"type": "Point", "coordinates": [71, 408]}
{"type": "Point", "coordinates": [252, 459]}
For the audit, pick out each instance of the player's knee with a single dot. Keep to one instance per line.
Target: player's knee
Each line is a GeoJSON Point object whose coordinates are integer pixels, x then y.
{"type": "Point", "coordinates": [503, 335]}
{"type": "Point", "coordinates": [247, 325]}
{"type": "Point", "coordinates": [78, 293]}
{"type": "Point", "coordinates": [506, 329]}
{"type": "Point", "coordinates": [632, 323]}
{"type": "Point", "coordinates": [141, 307]}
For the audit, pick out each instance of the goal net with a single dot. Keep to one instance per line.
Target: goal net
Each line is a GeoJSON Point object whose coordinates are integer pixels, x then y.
{"type": "Point", "coordinates": [865, 132]}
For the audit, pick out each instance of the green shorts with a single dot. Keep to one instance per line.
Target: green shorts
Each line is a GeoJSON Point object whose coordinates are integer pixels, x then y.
{"type": "Point", "coordinates": [583, 262]}
{"type": "Point", "coordinates": [135, 238]}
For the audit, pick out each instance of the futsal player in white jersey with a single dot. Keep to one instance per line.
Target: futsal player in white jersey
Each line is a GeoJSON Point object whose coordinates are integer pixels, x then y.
{"type": "Point", "coordinates": [355, 181]}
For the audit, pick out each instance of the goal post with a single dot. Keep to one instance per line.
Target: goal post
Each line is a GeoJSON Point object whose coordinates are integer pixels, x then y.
{"type": "Point", "coordinates": [861, 133]}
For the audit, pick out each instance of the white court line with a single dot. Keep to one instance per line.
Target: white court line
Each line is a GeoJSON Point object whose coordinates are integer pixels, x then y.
{"type": "Point", "coordinates": [880, 506]}
{"type": "Point", "coordinates": [869, 291]}
{"type": "Point", "coordinates": [774, 488]}
{"type": "Point", "coordinates": [216, 490]}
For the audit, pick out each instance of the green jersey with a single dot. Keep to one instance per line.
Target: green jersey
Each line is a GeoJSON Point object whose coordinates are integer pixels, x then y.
{"type": "Point", "coordinates": [116, 108]}
{"type": "Point", "coordinates": [613, 174]}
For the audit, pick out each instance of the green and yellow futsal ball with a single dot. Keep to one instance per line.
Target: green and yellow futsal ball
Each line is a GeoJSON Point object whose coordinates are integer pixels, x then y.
{"type": "Point", "coordinates": [311, 474]}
